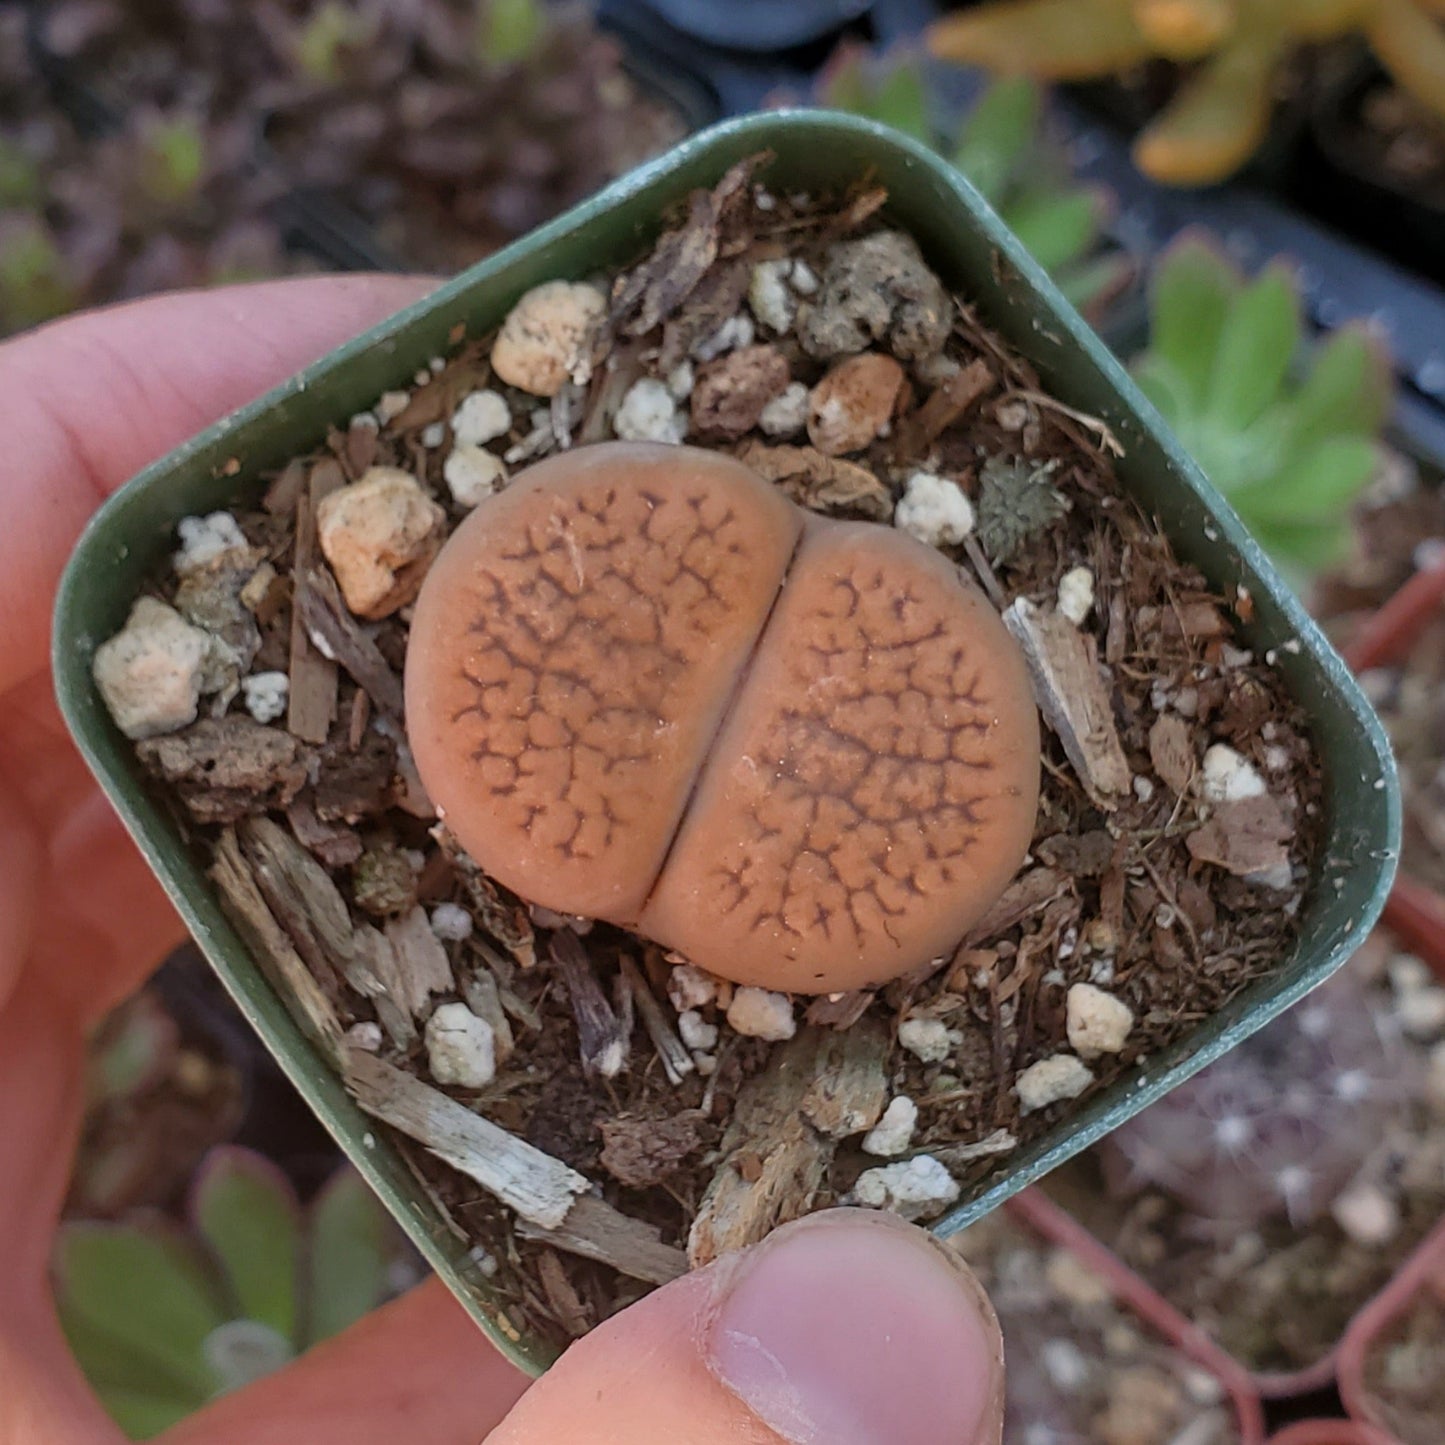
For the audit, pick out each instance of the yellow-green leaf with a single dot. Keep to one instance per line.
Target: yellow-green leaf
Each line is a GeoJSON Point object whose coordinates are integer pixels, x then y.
{"type": "Point", "coordinates": [353, 1243]}
{"type": "Point", "coordinates": [1052, 39]}
{"type": "Point", "coordinates": [1257, 345]}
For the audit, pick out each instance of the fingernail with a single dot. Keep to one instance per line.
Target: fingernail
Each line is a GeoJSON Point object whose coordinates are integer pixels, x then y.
{"type": "Point", "coordinates": [853, 1328]}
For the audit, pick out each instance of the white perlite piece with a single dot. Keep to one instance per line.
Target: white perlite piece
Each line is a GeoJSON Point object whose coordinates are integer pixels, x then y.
{"type": "Point", "coordinates": [690, 988]}
{"type": "Point", "coordinates": [546, 338]}
{"type": "Point", "coordinates": [1421, 1012]}
{"type": "Point", "coordinates": [1098, 1023]}
{"type": "Point", "coordinates": [735, 333]}
{"type": "Point", "coordinates": [681, 379]}
{"type": "Point", "coordinates": [928, 1039]}
{"type": "Point", "coordinates": [377, 534]}
{"type": "Point", "coordinates": [1076, 594]}
{"type": "Point", "coordinates": [482, 417]}
{"type": "Point", "coordinates": [150, 672]}
{"type": "Point", "coordinates": [1060, 1076]}
{"type": "Point", "coordinates": [768, 295]}
{"type": "Point", "coordinates": [451, 922]}
{"type": "Point", "coordinates": [934, 510]}
{"type": "Point", "coordinates": [204, 539]}
{"type": "Point", "coordinates": [391, 404]}
{"type": "Point", "coordinates": [461, 1049]}
{"type": "Point", "coordinates": [762, 1014]}
{"type": "Point", "coordinates": [804, 279]}
{"type": "Point", "coordinates": [434, 435]}
{"type": "Point", "coordinates": [366, 1036]}
{"type": "Point", "coordinates": [893, 1133]}
{"type": "Point", "coordinates": [1367, 1214]}
{"type": "Point", "coordinates": [916, 1188]}
{"type": "Point", "coordinates": [472, 474]}
{"type": "Point", "coordinates": [649, 414]}
{"type": "Point", "coordinates": [787, 414]}
{"type": "Point", "coordinates": [265, 695]}
{"type": "Point", "coordinates": [697, 1034]}
{"type": "Point", "coordinates": [1228, 777]}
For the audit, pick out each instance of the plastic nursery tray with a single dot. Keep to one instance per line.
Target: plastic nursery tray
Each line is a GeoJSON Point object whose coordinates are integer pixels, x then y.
{"type": "Point", "coordinates": [1331, 1432]}
{"type": "Point", "coordinates": [974, 253]}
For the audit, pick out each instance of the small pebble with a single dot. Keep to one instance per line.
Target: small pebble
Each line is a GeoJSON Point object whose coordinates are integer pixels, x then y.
{"type": "Point", "coordinates": [434, 435]}
{"type": "Point", "coordinates": [706, 1064]}
{"type": "Point", "coordinates": [204, 539]}
{"type": "Point", "coordinates": [451, 922]}
{"type": "Point", "coordinates": [690, 988]}
{"type": "Point", "coordinates": [916, 1188]}
{"type": "Point", "coordinates": [735, 332]}
{"type": "Point", "coordinates": [1072, 1281]}
{"type": "Point", "coordinates": [681, 380]}
{"type": "Point", "coordinates": [1422, 1012]}
{"type": "Point", "coordinates": [1143, 788]}
{"type": "Point", "coordinates": [1076, 594]}
{"type": "Point", "coordinates": [762, 1014]}
{"type": "Point", "coordinates": [546, 339]}
{"type": "Point", "coordinates": [482, 417]}
{"type": "Point", "coordinates": [1098, 1023]}
{"type": "Point", "coordinates": [928, 1039]}
{"type": "Point", "coordinates": [853, 404]}
{"type": "Point", "coordinates": [1229, 777]}
{"type": "Point", "coordinates": [786, 415]}
{"type": "Point", "coordinates": [379, 534]}
{"type": "Point", "coordinates": [696, 1033]}
{"type": "Point", "coordinates": [472, 474]}
{"type": "Point", "coordinates": [649, 413]}
{"type": "Point", "coordinates": [1367, 1214]}
{"type": "Point", "coordinates": [893, 1133]}
{"type": "Point", "coordinates": [366, 1036]}
{"type": "Point", "coordinates": [391, 404]}
{"type": "Point", "coordinates": [1065, 1365]}
{"type": "Point", "coordinates": [804, 279]}
{"type": "Point", "coordinates": [150, 673]}
{"type": "Point", "coordinates": [1061, 1076]}
{"type": "Point", "coordinates": [772, 302]}
{"type": "Point", "coordinates": [935, 510]}
{"type": "Point", "coordinates": [265, 695]}
{"type": "Point", "coordinates": [461, 1049]}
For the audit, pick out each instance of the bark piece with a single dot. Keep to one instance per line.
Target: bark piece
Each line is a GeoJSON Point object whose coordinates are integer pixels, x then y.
{"type": "Point", "coordinates": [421, 964]}
{"type": "Point", "coordinates": [672, 1053]}
{"type": "Point", "coordinates": [566, 1306]}
{"type": "Point", "coordinates": [311, 705]}
{"type": "Point", "coordinates": [538, 1187]}
{"type": "Point", "coordinates": [1068, 685]}
{"type": "Point", "coordinates": [944, 406]}
{"type": "Point", "coordinates": [1249, 838]}
{"type": "Point", "coordinates": [732, 391]}
{"type": "Point", "coordinates": [1171, 751]}
{"type": "Point", "coordinates": [599, 1031]}
{"type": "Point", "coordinates": [224, 769]}
{"type": "Point", "coordinates": [594, 1230]}
{"type": "Point", "coordinates": [825, 483]}
{"type": "Point", "coordinates": [332, 627]}
{"type": "Point", "coordinates": [1024, 897]}
{"type": "Point", "coordinates": [851, 1090]}
{"type": "Point", "coordinates": [640, 1152]}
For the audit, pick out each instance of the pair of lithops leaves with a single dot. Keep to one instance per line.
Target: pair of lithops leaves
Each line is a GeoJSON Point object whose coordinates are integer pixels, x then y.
{"type": "Point", "coordinates": [644, 687]}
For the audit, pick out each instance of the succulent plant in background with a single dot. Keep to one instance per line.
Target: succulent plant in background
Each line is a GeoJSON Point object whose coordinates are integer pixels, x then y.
{"type": "Point", "coordinates": [1004, 148]}
{"type": "Point", "coordinates": [1289, 434]}
{"type": "Point", "coordinates": [162, 1320]}
{"type": "Point", "coordinates": [1280, 1125]}
{"type": "Point", "coordinates": [1234, 48]}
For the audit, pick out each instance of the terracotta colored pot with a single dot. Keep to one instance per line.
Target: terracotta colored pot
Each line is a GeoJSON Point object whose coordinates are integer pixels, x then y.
{"type": "Point", "coordinates": [1331, 1432]}
{"type": "Point", "coordinates": [1424, 1270]}
{"type": "Point", "coordinates": [1043, 1216]}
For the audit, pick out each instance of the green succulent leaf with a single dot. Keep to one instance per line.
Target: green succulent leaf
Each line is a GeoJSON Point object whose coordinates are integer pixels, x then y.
{"type": "Point", "coordinates": [1302, 549]}
{"type": "Point", "coordinates": [1319, 486]}
{"type": "Point", "coordinates": [1257, 344]}
{"type": "Point", "coordinates": [135, 1045]}
{"type": "Point", "coordinates": [1000, 129]}
{"type": "Point", "coordinates": [1057, 225]}
{"type": "Point", "coordinates": [353, 1243]}
{"type": "Point", "coordinates": [510, 31]}
{"type": "Point", "coordinates": [142, 1416]}
{"type": "Point", "coordinates": [140, 1299]}
{"type": "Point", "coordinates": [1161, 382]}
{"type": "Point", "coordinates": [1092, 281]}
{"type": "Point", "coordinates": [1348, 389]}
{"type": "Point", "coordinates": [1193, 288]}
{"type": "Point", "coordinates": [246, 1212]}
{"type": "Point", "coordinates": [901, 100]}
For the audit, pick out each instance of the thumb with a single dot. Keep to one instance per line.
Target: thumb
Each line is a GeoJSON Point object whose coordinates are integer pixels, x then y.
{"type": "Point", "coordinates": [847, 1327]}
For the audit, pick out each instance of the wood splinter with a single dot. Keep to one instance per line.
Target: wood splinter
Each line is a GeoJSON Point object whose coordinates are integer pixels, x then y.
{"type": "Point", "coordinates": [599, 1031]}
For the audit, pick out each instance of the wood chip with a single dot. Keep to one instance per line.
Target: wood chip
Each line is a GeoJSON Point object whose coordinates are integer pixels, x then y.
{"type": "Point", "coordinates": [772, 1159]}
{"type": "Point", "coordinates": [567, 1308]}
{"type": "Point", "coordinates": [332, 627]}
{"type": "Point", "coordinates": [851, 1090]}
{"type": "Point", "coordinates": [944, 406]}
{"type": "Point", "coordinates": [537, 1186]}
{"type": "Point", "coordinates": [482, 995]}
{"type": "Point", "coordinates": [659, 1022]}
{"type": "Point", "coordinates": [641, 1151]}
{"type": "Point", "coordinates": [224, 769]}
{"type": "Point", "coordinates": [595, 1230]}
{"type": "Point", "coordinates": [242, 902]}
{"type": "Point", "coordinates": [954, 1156]}
{"type": "Point", "coordinates": [1064, 667]}
{"type": "Point", "coordinates": [1028, 894]}
{"type": "Point", "coordinates": [600, 1037]}
{"type": "Point", "coordinates": [1171, 751]}
{"type": "Point", "coordinates": [311, 706]}
{"type": "Point", "coordinates": [501, 915]}
{"type": "Point", "coordinates": [335, 844]}
{"type": "Point", "coordinates": [1249, 838]}
{"type": "Point", "coordinates": [839, 1011]}
{"type": "Point", "coordinates": [421, 964]}
{"type": "Point", "coordinates": [823, 483]}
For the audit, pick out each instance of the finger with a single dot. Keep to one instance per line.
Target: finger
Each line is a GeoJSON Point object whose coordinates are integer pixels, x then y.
{"type": "Point", "coordinates": [87, 402]}
{"type": "Point", "coordinates": [848, 1327]}
{"type": "Point", "coordinates": [418, 1369]}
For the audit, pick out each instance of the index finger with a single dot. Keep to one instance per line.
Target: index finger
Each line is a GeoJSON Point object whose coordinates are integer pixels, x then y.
{"type": "Point", "coordinates": [87, 402]}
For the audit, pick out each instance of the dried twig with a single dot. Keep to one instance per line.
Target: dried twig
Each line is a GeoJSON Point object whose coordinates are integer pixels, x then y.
{"type": "Point", "coordinates": [599, 1032]}
{"type": "Point", "coordinates": [311, 705]}
{"type": "Point", "coordinates": [333, 629]}
{"type": "Point", "coordinates": [676, 1062]}
{"type": "Point", "coordinates": [595, 1230]}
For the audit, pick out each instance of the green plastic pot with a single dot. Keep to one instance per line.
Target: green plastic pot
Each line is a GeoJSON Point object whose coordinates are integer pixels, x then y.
{"type": "Point", "coordinates": [975, 254]}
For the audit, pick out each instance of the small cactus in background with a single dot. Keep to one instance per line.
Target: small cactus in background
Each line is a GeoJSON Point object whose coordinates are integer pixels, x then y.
{"type": "Point", "coordinates": [1003, 147]}
{"type": "Point", "coordinates": [1291, 446]}
{"type": "Point", "coordinates": [1281, 1124]}
{"type": "Point", "coordinates": [162, 1320]}
{"type": "Point", "coordinates": [1221, 112]}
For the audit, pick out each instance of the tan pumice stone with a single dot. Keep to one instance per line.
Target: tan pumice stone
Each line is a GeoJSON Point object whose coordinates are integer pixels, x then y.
{"type": "Point", "coordinates": [643, 686]}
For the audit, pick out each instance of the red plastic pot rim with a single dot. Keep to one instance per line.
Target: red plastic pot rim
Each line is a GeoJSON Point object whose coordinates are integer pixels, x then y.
{"type": "Point", "coordinates": [1036, 1210]}
{"type": "Point", "coordinates": [1425, 1265]}
{"type": "Point", "coordinates": [1331, 1432]}
{"type": "Point", "coordinates": [1415, 914]}
{"type": "Point", "coordinates": [1391, 629]}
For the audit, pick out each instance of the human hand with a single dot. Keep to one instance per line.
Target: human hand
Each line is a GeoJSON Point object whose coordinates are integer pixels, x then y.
{"type": "Point", "coordinates": [848, 1328]}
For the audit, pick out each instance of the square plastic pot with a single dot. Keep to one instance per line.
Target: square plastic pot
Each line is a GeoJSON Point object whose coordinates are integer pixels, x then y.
{"type": "Point", "coordinates": [976, 255]}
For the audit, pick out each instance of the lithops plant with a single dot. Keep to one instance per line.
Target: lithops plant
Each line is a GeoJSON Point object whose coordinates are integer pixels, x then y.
{"type": "Point", "coordinates": [162, 1320]}
{"type": "Point", "coordinates": [1221, 111]}
{"type": "Point", "coordinates": [644, 687]}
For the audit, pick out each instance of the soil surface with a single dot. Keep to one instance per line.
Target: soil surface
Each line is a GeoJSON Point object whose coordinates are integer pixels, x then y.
{"type": "Point", "coordinates": [329, 856]}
